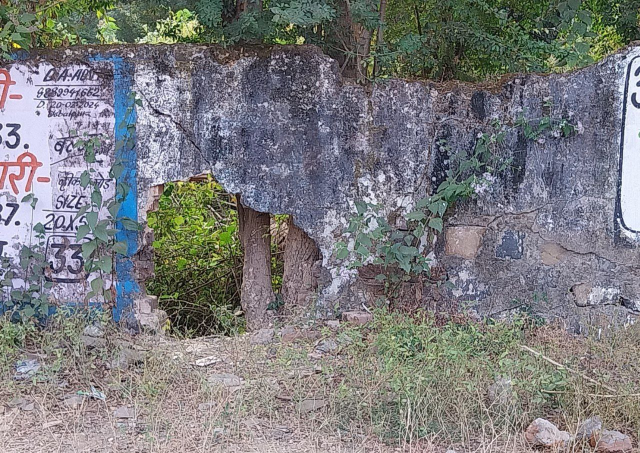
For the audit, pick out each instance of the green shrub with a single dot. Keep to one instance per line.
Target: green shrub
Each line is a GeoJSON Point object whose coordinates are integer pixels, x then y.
{"type": "Point", "coordinates": [198, 258]}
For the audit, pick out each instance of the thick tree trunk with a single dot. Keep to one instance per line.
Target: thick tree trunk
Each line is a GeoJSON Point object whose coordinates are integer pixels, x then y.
{"type": "Point", "coordinates": [247, 5]}
{"type": "Point", "coordinates": [256, 292]}
{"type": "Point", "coordinates": [300, 253]}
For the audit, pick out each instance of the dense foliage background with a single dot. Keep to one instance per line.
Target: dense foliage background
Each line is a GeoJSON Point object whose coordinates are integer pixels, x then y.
{"type": "Point", "coordinates": [443, 39]}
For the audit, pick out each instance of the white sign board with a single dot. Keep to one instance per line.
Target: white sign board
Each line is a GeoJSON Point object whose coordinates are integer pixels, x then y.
{"type": "Point", "coordinates": [630, 151]}
{"type": "Point", "coordinates": [46, 115]}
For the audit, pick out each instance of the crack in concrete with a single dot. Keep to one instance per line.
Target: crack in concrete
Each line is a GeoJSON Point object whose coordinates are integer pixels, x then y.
{"type": "Point", "coordinates": [184, 131]}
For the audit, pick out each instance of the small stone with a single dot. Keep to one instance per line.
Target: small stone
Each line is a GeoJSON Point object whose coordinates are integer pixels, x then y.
{"type": "Point", "coordinates": [126, 358]}
{"type": "Point", "coordinates": [218, 431]}
{"type": "Point", "coordinates": [310, 405]}
{"type": "Point", "coordinates": [26, 369]}
{"type": "Point", "coordinates": [206, 407]}
{"type": "Point", "coordinates": [332, 324]}
{"type": "Point", "coordinates": [611, 442]}
{"type": "Point", "coordinates": [73, 401]}
{"type": "Point", "coordinates": [357, 317]}
{"type": "Point", "coordinates": [51, 424]}
{"type": "Point", "coordinates": [289, 334]}
{"type": "Point", "coordinates": [501, 392]}
{"type": "Point", "coordinates": [314, 355]}
{"type": "Point", "coordinates": [93, 331]}
{"type": "Point", "coordinates": [207, 361]}
{"type": "Point", "coordinates": [93, 342]}
{"type": "Point", "coordinates": [124, 412]}
{"type": "Point", "coordinates": [325, 346]}
{"type": "Point", "coordinates": [22, 403]}
{"type": "Point", "coordinates": [28, 407]}
{"type": "Point", "coordinates": [262, 336]}
{"type": "Point", "coordinates": [230, 381]}
{"type": "Point", "coordinates": [542, 433]}
{"type": "Point", "coordinates": [589, 428]}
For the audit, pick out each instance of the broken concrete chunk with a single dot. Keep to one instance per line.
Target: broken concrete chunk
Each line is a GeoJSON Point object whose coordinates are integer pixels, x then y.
{"type": "Point", "coordinates": [311, 405]}
{"type": "Point", "coordinates": [26, 369]}
{"type": "Point", "coordinates": [326, 346]}
{"type": "Point", "coordinates": [124, 412]}
{"type": "Point", "coordinates": [262, 336]}
{"type": "Point", "coordinates": [227, 380]}
{"type": "Point", "coordinates": [542, 433]}
{"type": "Point", "coordinates": [94, 331]}
{"type": "Point", "coordinates": [357, 317]}
{"type": "Point", "coordinates": [589, 428]}
{"type": "Point", "coordinates": [611, 442]}
{"type": "Point", "coordinates": [207, 361]}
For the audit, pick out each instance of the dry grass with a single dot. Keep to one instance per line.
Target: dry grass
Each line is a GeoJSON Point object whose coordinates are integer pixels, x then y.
{"type": "Point", "coordinates": [396, 386]}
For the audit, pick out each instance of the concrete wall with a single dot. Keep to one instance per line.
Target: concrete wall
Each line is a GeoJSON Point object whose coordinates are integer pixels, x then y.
{"type": "Point", "coordinates": [557, 233]}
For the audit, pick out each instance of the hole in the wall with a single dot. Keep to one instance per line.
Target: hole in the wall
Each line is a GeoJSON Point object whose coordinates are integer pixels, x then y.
{"type": "Point", "coordinates": [198, 258]}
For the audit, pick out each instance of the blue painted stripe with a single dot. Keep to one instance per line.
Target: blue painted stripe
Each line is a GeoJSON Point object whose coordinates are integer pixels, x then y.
{"type": "Point", "coordinates": [125, 138]}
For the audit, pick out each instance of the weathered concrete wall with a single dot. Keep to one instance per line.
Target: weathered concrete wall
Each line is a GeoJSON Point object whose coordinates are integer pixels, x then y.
{"type": "Point", "coordinates": [558, 230]}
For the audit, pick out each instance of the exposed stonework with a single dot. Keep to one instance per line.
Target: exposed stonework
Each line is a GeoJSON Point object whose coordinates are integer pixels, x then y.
{"type": "Point", "coordinates": [463, 241]}
{"type": "Point", "coordinates": [281, 127]}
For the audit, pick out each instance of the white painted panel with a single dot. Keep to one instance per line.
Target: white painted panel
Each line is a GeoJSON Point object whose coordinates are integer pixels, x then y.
{"type": "Point", "coordinates": [630, 166]}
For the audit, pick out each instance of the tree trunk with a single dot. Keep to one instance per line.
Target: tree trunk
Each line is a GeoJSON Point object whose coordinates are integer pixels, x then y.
{"type": "Point", "coordinates": [300, 253]}
{"type": "Point", "coordinates": [355, 41]}
{"type": "Point", "coordinates": [380, 37]}
{"type": "Point", "coordinates": [256, 292]}
{"type": "Point", "coordinates": [247, 5]}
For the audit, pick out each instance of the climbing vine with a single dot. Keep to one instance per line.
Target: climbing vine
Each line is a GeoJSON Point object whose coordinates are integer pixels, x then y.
{"type": "Point", "coordinates": [402, 250]}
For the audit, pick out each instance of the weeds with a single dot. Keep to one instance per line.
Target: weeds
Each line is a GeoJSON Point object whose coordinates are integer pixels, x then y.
{"type": "Point", "coordinates": [400, 380]}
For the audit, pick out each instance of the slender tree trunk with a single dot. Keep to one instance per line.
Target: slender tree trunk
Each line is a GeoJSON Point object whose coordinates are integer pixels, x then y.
{"type": "Point", "coordinates": [256, 292]}
{"type": "Point", "coordinates": [300, 254]}
{"type": "Point", "coordinates": [380, 36]}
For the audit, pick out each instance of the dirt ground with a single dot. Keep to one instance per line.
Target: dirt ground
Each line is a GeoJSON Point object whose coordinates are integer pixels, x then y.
{"type": "Point", "coordinates": [179, 401]}
{"type": "Point", "coordinates": [289, 392]}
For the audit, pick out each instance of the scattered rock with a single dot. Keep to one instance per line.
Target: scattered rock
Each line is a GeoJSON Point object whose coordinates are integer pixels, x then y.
{"type": "Point", "coordinates": [26, 369]}
{"type": "Point", "coordinates": [153, 322]}
{"type": "Point", "coordinates": [73, 401]}
{"type": "Point", "coordinates": [126, 358]}
{"type": "Point", "coordinates": [206, 407]}
{"type": "Point", "coordinates": [325, 346]}
{"type": "Point", "coordinates": [289, 334]}
{"type": "Point", "coordinates": [357, 317]}
{"type": "Point", "coordinates": [51, 424]}
{"type": "Point", "coordinates": [589, 428]}
{"type": "Point", "coordinates": [207, 361]}
{"type": "Point", "coordinates": [124, 412]}
{"type": "Point", "coordinates": [22, 403]}
{"type": "Point", "coordinates": [310, 405]}
{"type": "Point", "coordinates": [611, 442]}
{"type": "Point", "coordinates": [230, 381]}
{"type": "Point", "coordinates": [501, 392]}
{"type": "Point", "coordinates": [542, 433]}
{"type": "Point", "coordinates": [262, 336]}
{"type": "Point", "coordinates": [93, 342]}
{"type": "Point", "coordinates": [314, 355]}
{"type": "Point", "coordinates": [332, 324]}
{"type": "Point", "coordinates": [93, 331]}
